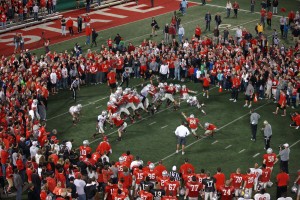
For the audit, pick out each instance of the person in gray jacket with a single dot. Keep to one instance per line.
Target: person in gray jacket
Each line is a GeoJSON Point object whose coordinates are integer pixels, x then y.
{"type": "Point", "coordinates": [18, 184]}
{"type": "Point", "coordinates": [249, 95]}
{"type": "Point", "coordinates": [254, 117]}
{"type": "Point", "coordinates": [267, 134]}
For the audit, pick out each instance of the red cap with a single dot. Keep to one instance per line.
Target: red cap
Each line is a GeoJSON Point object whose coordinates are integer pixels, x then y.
{"type": "Point", "coordinates": [283, 10]}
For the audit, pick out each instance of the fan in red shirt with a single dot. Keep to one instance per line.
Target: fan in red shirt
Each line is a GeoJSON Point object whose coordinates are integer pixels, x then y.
{"type": "Point", "coordinates": [265, 176]}
{"type": "Point", "coordinates": [198, 32]}
{"type": "Point", "coordinates": [193, 123]}
{"type": "Point", "coordinates": [109, 43]}
{"type": "Point", "coordinates": [210, 129]}
{"type": "Point", "coordinates": [193, 189]}
{"type": "Point", "coordinates": [111, 80]}
{"type": "Point", "coordinates": [172, 187]}
{"type": "Point", "coordinates": [226, 191]}
{"type": "Point", "coordinates": [119, 122]}
{"type": "Point", "coordinates": [84, 150]}
{"type": "Point", "coordinates": [296, 120]}
{"type": "Point", "coordinates": [220, 178]}
{"type": "Point", "coordinates": [206, 83]}
{"type": "Point", "coordinates": [282, 180]}
{"type": "Point", "coordinates": [270, 159]}
{"type": "Point", "coordinates": [249, 182]}
{"type": "Point", "coordinates": [281, 103]}
{"type": "Point", "coordinates": [236, 180]}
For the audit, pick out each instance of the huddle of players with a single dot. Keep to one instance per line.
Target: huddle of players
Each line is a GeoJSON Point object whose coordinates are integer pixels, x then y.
{"type": "Point", "coordinates": [128, 103]}
{"type": "Point", "coordinates": [155, 183]}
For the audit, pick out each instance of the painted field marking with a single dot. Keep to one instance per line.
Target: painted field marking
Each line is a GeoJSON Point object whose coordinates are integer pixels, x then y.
{"type": "Point", "coordinates": [187, 146]}
{"type": "Point", "coordinates": [215, 142]}
{"type": "Point", "coordinates": [152, 123]}
{"type": "Point", "coordinates": [294, 143]}
{"type": "Point", "coordinates": [98, 106]}
{"type": "Point", "coordinates": [241, 151]}
{"type": "Point", "coordinates": [164, 126]}
{"type": "Point", "coordinates": [228, 146]}
{"type": "Point", "coordinates": [256, 155]}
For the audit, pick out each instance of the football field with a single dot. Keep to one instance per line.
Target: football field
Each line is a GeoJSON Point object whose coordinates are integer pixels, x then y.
{"type": "Point", "coordinates": [152, 137]}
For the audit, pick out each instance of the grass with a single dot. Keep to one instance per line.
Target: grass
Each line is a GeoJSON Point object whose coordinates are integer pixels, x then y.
{"type": "Point", "coordinates": [152, 142]}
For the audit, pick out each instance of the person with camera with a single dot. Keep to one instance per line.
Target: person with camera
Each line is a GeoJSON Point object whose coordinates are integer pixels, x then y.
{"type": "Point", "coordinates": [154, 26]}
{"type": "Point", "coordinates": [284, 153]}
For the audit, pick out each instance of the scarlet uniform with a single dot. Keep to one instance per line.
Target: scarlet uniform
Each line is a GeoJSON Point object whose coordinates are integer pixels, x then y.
{"type": "Point", "coordinates": [116, 196]}
{"type": "Point", "coordinates": [249, 179]}
{"type": "Point", "coordinates": [226, 192]}
{"type": "Point", "coordinates": [193, 122]}
{"type": "Point", "coordinates": [84, 150]}
{"type": "Point", "coordinates": [237, 180]}
{"type": "Point", "coordinates": [103, 147]}
{"type": "Point", "coordinates": [220, 180]}
{"type": "Point", "coordinates": [128, 158]}
{"type": "Point", "coordinates": [127, 179]}
{"type": "Point", "coordinates": [188, 177]}
{"type": "Point", "coordinates": [269, 159]}
{"type": "Point", "coordinates": [172, 187]}
{"type": "Point", "coordinates": [151, 174]}
{"type": "Point", "coordinates": [109, 189]}
{"type": "Point", "coordinates": [206, 82]}
{"type": "Point", "coordinates": [112, 108]}
{"type": "Point", "coordinates": [194, 189]}
{"type": "Point", "coordinates": [146, 195]}
{"type": "Point", "coordinates": [162, 181]}
{"type": "Point", "coordinates": [118, 121]}
{"type": "Point", "coordinates": [170, 89]}
{"type": "Point", "coordinates": [95, 158]}
{"type": "Point", "coordinates": [211, 127]}
{"type": "Point", "coordinates": [139, 176]}
{"type": "Point", "coordinates": [200, 178]}
{"type": "Point", "coordinates": [121, 166]}
{"type": "Point", "coordinates": [266, 175]}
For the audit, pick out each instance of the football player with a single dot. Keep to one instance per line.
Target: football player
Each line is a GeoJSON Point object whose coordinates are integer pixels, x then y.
{"type": "Point", "coordinates": [75, 112]}
{"type": "Point", "coordinates": [209, 184]}
{"type": "Point", "coordinates": [121, 103]}
{"type": "Point", "coordinates": [184, 92]}
{"type": "Point", "coordinates": [193, 189]}
{"type": "Point", "coordinates": [249, 180]}
{"type": "Point", "coordinates": [236, 180]}
{"type": "Point", "coordinates": [210, 129]}
{"type": "Point", "coordinates": [193, 101]}
{"type": "Point", "coordinates": [258, 172]}
{"type": "Point", "coordinates": [151, 173]}
{"type": "Point", "coordinates": [227, 191]}
{"type": "Point", "coordinates": [104, 147]}
{"type": "Point", "coordinates": [119, 122]}
{"type": "Point", "coordinates": [170, 90]}
{"type": "Point", "coordinates": [157, 192]}
{"type": "Point", "coordinates": [137, 178]}
{"type": "Point", "coordinates": [84, 150]}
{"type": "Point", "coordinates": [172, 187]}
{"type": "Point", "coordinates": [100, 124]}
{"type": "Point", "coordinates": [265, 176]}
{"type": "Point", "coordinates": [270, 159]}
{"type": "Point", "coordinates": [163, 179]}
{"type": "Point", "coordinates": [145, 194]}
{"type": "Point", "coordinates": [193, 123]}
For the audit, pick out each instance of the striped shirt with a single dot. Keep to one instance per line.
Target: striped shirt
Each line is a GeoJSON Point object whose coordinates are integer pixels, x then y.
{"type": "Point", "coordinates": [175, 175]}
{"type": "Point", "coordinates": [75, 84]}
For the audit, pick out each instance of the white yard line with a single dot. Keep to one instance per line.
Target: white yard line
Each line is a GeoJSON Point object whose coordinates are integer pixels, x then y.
{"type": "Point", "coordinates": [294, 143]}
{"type": "Point", "coordinates": [215, 142]}
{"type": "Point", "coordinates": [189, 145]}
{"type": "Point", "coordinates": [256, 155]}
{"type": "Point", "coordinates": [164, 126]}
{"type": "Point", "coordinates": [152, 123]}
{"type": "Point", "coordinates": [241, 151]}
{"type": "Point", "coordinates": [228, 146]}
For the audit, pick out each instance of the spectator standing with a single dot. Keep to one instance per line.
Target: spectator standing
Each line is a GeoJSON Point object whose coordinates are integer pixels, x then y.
{"type": "Point", "coordinates": [94, 37]}
{"type": "Point", "coordinates": [22, 47]}
{"type": "Point", "coordinates": [181, 132]}
{"type": "Point", "coordinates": [70, 24]}
{"type": "Point", "coordinates": [88, 4]}
{"type": "Point", "coordinates": [166, 34]}
{"type": "Point", "coordinates": [79, 24]}
{"type": "Point", "coordinates": [154, 26]}
{"type": "Point", "coordinates": [46, 45]}
{"type": "Point", "coordinates": [249, 94]}
{"type": "Point", "coordinates": [254, 117]}
{"type": "Point", "coordinates": [281, 103]}
{"type": "Point", "coordinates": [184, 5]}
{"type": "Point", "coordinates": [3, 20]}
{"type": "Point", "coordinates": [75, 85]}
{"type": "Point", "coordinates": [236, 8]}
{"type": "Point", "coordinates": [88, 32]}
{"type": "Point", "coordinates": [252, 4]}
{"type": "Point", "coordinates": [36, 181]}
{"type": "Point", "coordinates": [64, 74]}
{"type": "Point", "coordinates": [54, 2]}
{"type": "Point", "coordinates": [198, 32]}
{"type": "Point", "coordinates": [18, 184]}
{"type": "Point", "coordinates": [41, 105]}
{"type": "Point", "coordinates": [282, 180]}
{"type": "Point", "coordinates": [269, 18]}
{"type": "Point", "coordinates": [228, 8]}
{"type": "Point", "coordinates": [282, 22]}
{"type": "Point", "coordinates": [63, 25]}
{"type": "Point", "coordinates": [16, 42]}
{"type": "Point", "coordinates": [86, 20]}
{"type": "Point", "coordinates": [180, 33]}
{"type": "Point", "coordinates": [164, 71]}
{"type": "Point", "coordinates": [53, 80]}
{"type": "Point", "coordinates": [218, 20]}
{"type": "Point", "coordinates": [275, 7]}
{"type": "Point", "coordinates": [77, 3]}
{"type": "Point", "coordinates": [80, 185]}
{"type": "Point", "coordinates": [225, 35]}
{"type": "Point", "coordinates": [267, 134]}
{"type": "Point", "coordinates": [207, 20]}
{"type": "Point", "coordinates": [35, 10]}
{"type": "Point", "coordinates": [284, 153]}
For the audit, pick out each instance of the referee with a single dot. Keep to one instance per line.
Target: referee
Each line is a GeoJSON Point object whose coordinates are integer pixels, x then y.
{"type": "Point", "coordinates": [125, 77]}
{"type": "Point", "coordinates": [181, 132]}
{"type": "Point", "coordinates": [75, 86]}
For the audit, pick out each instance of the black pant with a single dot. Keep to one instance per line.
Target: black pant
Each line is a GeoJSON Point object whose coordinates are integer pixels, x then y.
{"type": "Point", "coordinates": [71, 30]}
{"type": "Point", "coordinates": [269, 22]}
{"type": "Point", "coordinates": [163, 77]}
{"type": "Point", "coordinates": [284, 165]}
{"type": "Point", "coordinates": [281, 190]}
{"type": "Point", "coordinates": [207, 25]}
{"type": "Point", "coordinates": [235, 12]}
{"type": "Point", "coordinates": [254, 130]}
{"type": "Point", "coordinates": [74, 90]}
{"type": "Point", "coordinates": [125, 80]}
{"type": "Point", "coordinates": [281, 29]}
{"type": "Point", "coordinates": [234, 93]}
{"type": "Point", "coordinates": [94, 42]}
{"type": "Point", "coordinates": [79, 27]}
{"type": "Point", "coordinates": [267, 142]}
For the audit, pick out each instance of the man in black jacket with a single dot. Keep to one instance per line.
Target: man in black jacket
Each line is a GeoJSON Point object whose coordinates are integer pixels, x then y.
{"type": "Point", "coordinates": [36, 181]}
{"type": "Point", "coordinates": [207, 20]}
{"type": "Point", "coordinates": [31, 193]}
{"type": "Point", "coordinates": [94, 37]}
{"type": "Point", "coordinates": [90, 190]}
{"type": "Point", "coordinates": [72, 186]}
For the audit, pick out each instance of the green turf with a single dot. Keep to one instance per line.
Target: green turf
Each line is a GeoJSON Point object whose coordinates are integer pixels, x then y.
{"type": "Point", "coordinates": [153, 143]}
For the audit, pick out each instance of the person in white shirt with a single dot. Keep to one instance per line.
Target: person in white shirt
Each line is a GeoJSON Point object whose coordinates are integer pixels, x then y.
{"type": "Point", "coordinates": [228, 8]}
{"type": "Point", "coordinates": [100, 123]}
{"type": "Point", "coordinates": [257, 171]}
{"type": "Point", "coordinates": [80, 184]}
{"type": "Point", "coordinates": [33, 149]}
{"type": "Point", "coordinates": [181, 132]}
{"type": "Point", "coordinates": [64, 74]}
{"type": "Point", "coordinates": [53, 80]}
{"type": "Point", "coordinates": [262, 195]}
{"type": "Point", "coordinates": [238, 33]}
{"type": "Point", "coordinates": [164, 71]}
{"type": "Point", "coordinates": [35, 12]}
{"type": "Point", "coordinates": [180, 33]}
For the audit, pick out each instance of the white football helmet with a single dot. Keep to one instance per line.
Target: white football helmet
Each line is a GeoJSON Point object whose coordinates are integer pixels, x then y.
{"type": "Point", "coordinates": [206, 124]}
{"type": "Point", "coordinates": [119, 88]}
{"type": "Point", "coordinates": [109, 103]}
{"type": "Point", "coordinates": [184, 86]}
{"type": "Point", "coordinates": [121, 159]}
{"type": "Point", "coordinates": [151, 166]}
{"type": "Point", "coordinates": [171, 85]}
{"type": "Point", "coordinates": [115, 115]}
{"type": "Point", "coordinates": [160, 85]}
{"type": "Point", "coordinates": [194, 98]}
{"type": "Point", "coordinates": [165, 173]}
{"type": "Point", "coordinates": [165, 83]}
{"type": "Point", "coordinates": [192, 116]}
{"type": "Point", "coordinates": [269, 150]}
{"type": "Point", "coordinates": [114, 100]}
{"type": "Point", "coordinates": [125, 92]}
{"type": "Point", "coordinates": [79, 106]}
{"type": "Point", "coordinates": [104, 112]}
{"type": "Point", "coordinates": [128, 89]}
{"type": "Point", "coordinates": [85, 142]}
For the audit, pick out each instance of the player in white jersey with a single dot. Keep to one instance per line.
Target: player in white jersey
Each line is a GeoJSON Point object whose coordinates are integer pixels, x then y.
{"type": "Point", "coordinates": [100, 123]}
{"type": "Point", "coordinates": [258, 172]}
{"type": "Point", "coordinates": [193, 101]}
{"type": "Point", "coordinates": [75, 112]}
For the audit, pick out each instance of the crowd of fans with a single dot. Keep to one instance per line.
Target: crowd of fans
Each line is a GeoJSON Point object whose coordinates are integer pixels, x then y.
{"type": "Point", "coordinates": [30, 153]}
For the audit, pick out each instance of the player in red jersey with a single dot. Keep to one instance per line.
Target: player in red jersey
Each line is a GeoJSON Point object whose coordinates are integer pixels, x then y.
{"type": "Point", "coordinates": [94, 158]}
{"type": "Point", "coordinates": [265, 176]}
{"type": "Point", "coordinates": [128, 157]}
{"type": "Point", "coordinates": [164, 179]}
{"type": "Point", "coordinates": [193, 123]}
{"type": "Point", "coordinates": [193, 189]}
{"type": "Point", "coordinates": [169, 91]}
{"type": "Point", "coordinates": [137, 178]}
{"type": "Point", "coordinates": [172, 187]}
{"type": "Point", "coordinates": [146, 195]}
{"type": "Point", "coordinates": [220, 178]}
{"type": "Point", "coordinates": [151, 173]}
{"type": "Point", "coordinates": [270, 159]}
{"type": "Point", "coordinates": [201, 176]}
{"type": "Point", "coordinates": [226, 191]}
{"type": "Point", "coordinates": [249, 180]}
{"type": "Point", "coordinates": [236, 180]}
{"type": "Point", "coordinates": [121, 164]}
{"type": "Point", "coordinates": [109, 188]}
{"type": "Point", "coordinates": [119, 122]}
{"type": "Point", "coordinates": [210, 129]}
{"type": "Point", "coordinates": [119, 195]}
{"type": "Point", "coordinates": [187, 177]}
{"type": "Point", "coordinates": [184, 92]}
{"type": "Point", "coordinates": [85, 149]}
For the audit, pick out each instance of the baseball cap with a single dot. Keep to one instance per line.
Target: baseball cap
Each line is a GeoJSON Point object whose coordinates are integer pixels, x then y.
{"type": "Point", "coordinates": [174, 168]}
{"type": "Point", "coordinates": [286, 145]}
